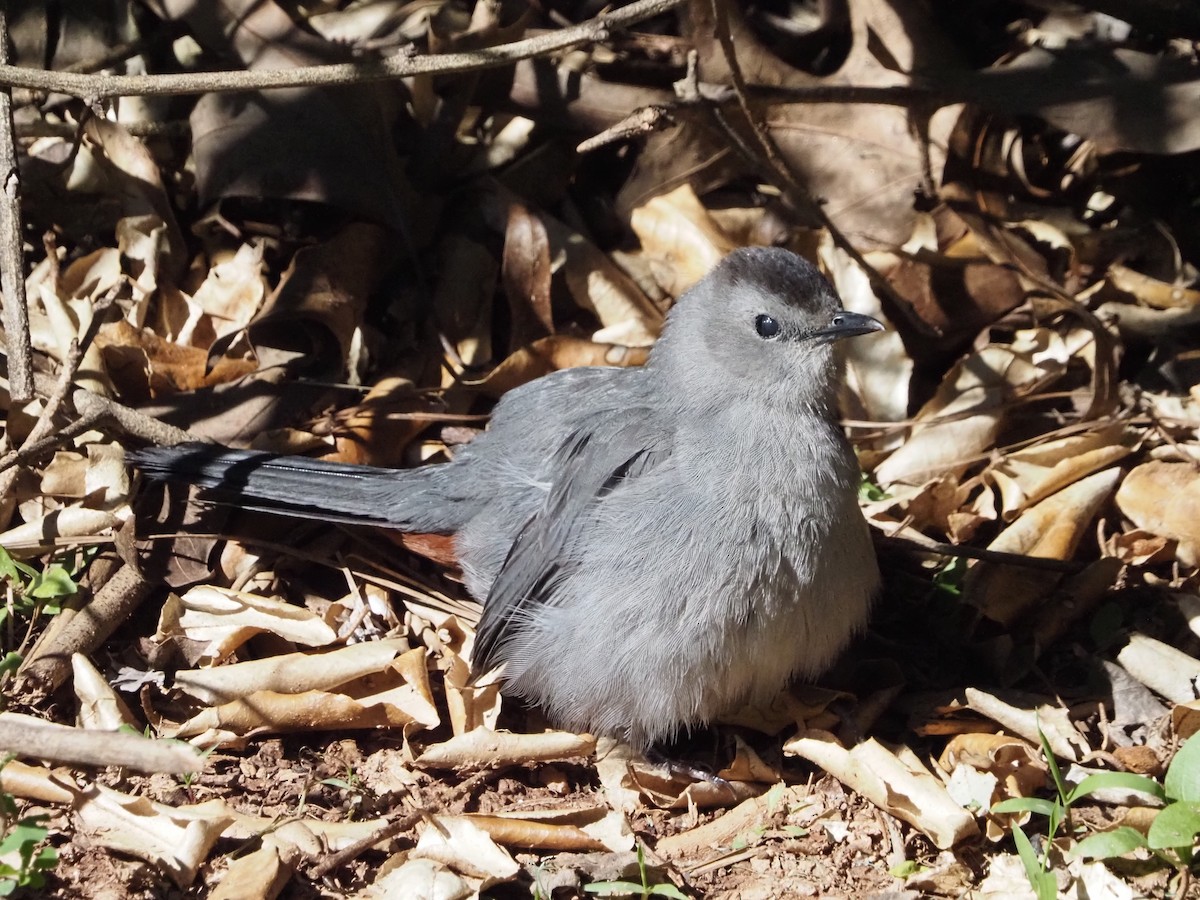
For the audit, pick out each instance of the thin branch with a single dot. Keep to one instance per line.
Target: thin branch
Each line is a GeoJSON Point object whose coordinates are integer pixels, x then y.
{"type": "Point", "coordinates": [981, 554]}
{"type": "Point", "coordinates": [44, 425]}
{"type": "Point", "coordinates": [12, 260]}
{"type": "Point", "coordinates": [77, 746]}
{"type": "Point", "coordinates": [44, 436]}
{"type": "Point", "coordinates": [99, 87]}
{"type": "Point", "coordinates": [398, 826]}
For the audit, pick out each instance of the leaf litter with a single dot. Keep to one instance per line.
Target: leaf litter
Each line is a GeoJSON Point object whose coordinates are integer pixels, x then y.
{"type": "Point", "coordinates": [358, 273]}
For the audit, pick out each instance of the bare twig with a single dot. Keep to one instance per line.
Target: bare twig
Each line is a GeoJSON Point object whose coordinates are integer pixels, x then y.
{"type": "Point", "coordinates": [44, 426]}
{"type": "Point", "coordinates": [398, 826]}
{"type": "Point", "coordinates": [44, 436]}
{"type": "Point", "coordinates": [98, 87]}
{"type": "Point", "coordinates": [48, 667]}
{"type": "Point", "coordinates": [95, 408]}
{"type": "Point", "coordinates": [12, 260]}
{"type": "Point", "coordinates": [130, 420]}
{"type": "Point", "coordinates": [639, 122]}
{"type": "Point", "coordinates": [61, 744]}
{"type": "Point", "coordinates": [1000, 557]}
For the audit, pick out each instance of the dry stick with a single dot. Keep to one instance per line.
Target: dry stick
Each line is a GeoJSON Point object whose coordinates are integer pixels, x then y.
{"type": "Point", "coordinates": [76, 746]}
{"type": "Point", "coordinates": [121, 595]}
{"type": "Point", "coordinates": [134, 423]}
{"type": "Point", "coordinates": [12, 260]}
{"type": "Point", "coordinates": [1001, 557]}
{"type": "Point", "coordinates": [99, 87]}
{"type": "Point", "coordinates": [399, 826]}
{"type": "Point", "coordinates": [130, 420]}
{"type": "Point", "coordinates": [43, 436]}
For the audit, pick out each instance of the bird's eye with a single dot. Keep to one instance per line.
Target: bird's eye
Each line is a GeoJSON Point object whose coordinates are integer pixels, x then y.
{"type": "Point", "coordinates": [766, 326]}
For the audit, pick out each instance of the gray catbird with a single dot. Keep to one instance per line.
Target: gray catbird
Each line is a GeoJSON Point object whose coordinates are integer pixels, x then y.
{"type": "Point", "coordinates": [653, 546]}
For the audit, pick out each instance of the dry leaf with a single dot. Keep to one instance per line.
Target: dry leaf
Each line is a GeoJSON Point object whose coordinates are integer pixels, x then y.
{"type": "Point", "coordinates": [482, 748]}
{"type": "Point", "coordinates": [100, 709]}
{"type": "Point", "coordinates": [458, 843]}
{"type": "Point", "coordinates": [1026, 476]}
{"type": "Point", "coordinates": [219, 620]}
{"type": "Point", "coordinates": [1164, 498]}
{"type": "Point", "coordinates": [679, 238]}
{"type": "Point", "coordinates": [896, 783]}
{"type": "Point", "coordinates": [1168, 672]}
{"type": "Point", "coordinates": [290, 673]}
{"type": "Point", "coordinates": [1050, 530]}
{"type": "Point", "coordinates": [1051, 721]}
{"type": "Point", "coordinates": [962, 420]}
{"type": "Point", "coordinates": [175, 842]}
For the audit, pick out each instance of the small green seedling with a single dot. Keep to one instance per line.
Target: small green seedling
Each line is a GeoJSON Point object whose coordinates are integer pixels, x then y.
{"type": "Point", "coordinates": [23, 839]}
{"type": "Point", "coordinates": [869, 491]}
{"type": "Point", "coordinates": [31, 591]}
{"type": "Point", "coordinates": [1058, 814]}
{"type": "Point", "coordinates": [644, 891]}
{"type": "Point", "coordinates": [1173, 832]}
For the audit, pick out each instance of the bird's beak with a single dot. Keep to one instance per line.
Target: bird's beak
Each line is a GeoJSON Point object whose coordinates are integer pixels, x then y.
{"type": "Point", "coordinates": [848, 324]}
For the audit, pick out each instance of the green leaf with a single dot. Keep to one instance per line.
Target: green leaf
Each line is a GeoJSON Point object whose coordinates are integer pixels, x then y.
{"type": "Point", "coordinates": [775, 797]}
{"type": "Point", "coordinates": [906, 868]}
{"type": "Point", "coordinates": [1175, 826]}
{"type": "Point", "coordinates": [1109, 844]}
{"type": "Point", "coordinates": [8, 567]}
{"type": "Point", "coordinates": [10, 663]}
{"type": "Point", "coordinates": [53, 583]}
{"type": "Point", "coordinates": [1043, 883]}
{"type": "Point", "coordinates": [1055, 772]}
{"type": "Point", "coordinates": [869, 491]}
{"type": "Point", "coordinates": [1026, 804]}
{"type": "Point", "coordinates": [26, 832]}
{"type": "Point", "coordinates": [949, 578]}
{"type": "Point", "coordinates": [1126, 781]}
{"type": "Point", "coordinates": [1183, 774]}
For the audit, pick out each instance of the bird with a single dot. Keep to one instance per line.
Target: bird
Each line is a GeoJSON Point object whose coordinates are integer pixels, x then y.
{"type": "Point", "coordinates": [654, 547]}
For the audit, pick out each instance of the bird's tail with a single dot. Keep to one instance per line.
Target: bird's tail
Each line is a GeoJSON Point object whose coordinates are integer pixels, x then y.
{"type": "Point", "coordinates": [295, 485]}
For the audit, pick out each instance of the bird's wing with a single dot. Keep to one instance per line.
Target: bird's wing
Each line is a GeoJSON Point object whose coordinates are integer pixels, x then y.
{"type": "Point", "coordinates": [613, 448]}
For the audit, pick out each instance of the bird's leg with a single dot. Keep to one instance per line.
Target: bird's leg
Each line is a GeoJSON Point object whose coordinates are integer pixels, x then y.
{"type": "Point", "coordinates": [673, 755]}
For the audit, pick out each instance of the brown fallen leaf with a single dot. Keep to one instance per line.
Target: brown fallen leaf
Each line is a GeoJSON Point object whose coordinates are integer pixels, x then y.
{"type": "Point", "coordinates": [482, 748]}
{"type": "Point", "coordinates": [895, 782]}
{"type": "Point", "coordinates": [1166, 670]}
{"type": "Point", "coordinates": [1026, 476]}
{"type": "Point", "coordinates": [215, 621]}
{"type": "Point", "coordinates": [174, 842]}
{"type": "Point", "coordinates": [526, 273]}
{"type": "Point", "coordinates": [460, 844]}
{"type": "Point", "coordinates": [1051, 722]}
{"type": "Point", "coordinates": [553, 353]}
{"type": "Point", "coordinates": [749, 815]}
{"type": "Point", "coordinates": [679, 238]}
{"type": "Point", "coordinates": [532, 835]}
{"type": "Point", "coordinates": [1164, 498]}
{"type": "Point", "coordinates": [1052, 529]}
{"type": "Point", "coordinates": [291, 673]}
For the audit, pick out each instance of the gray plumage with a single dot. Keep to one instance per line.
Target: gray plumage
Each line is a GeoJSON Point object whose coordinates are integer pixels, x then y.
{"type": "Point", "coordinates": [653, 546]}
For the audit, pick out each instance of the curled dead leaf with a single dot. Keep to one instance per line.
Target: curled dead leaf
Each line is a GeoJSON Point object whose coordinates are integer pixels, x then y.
{"type": "Point", "coordinates": [1164, 498]}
